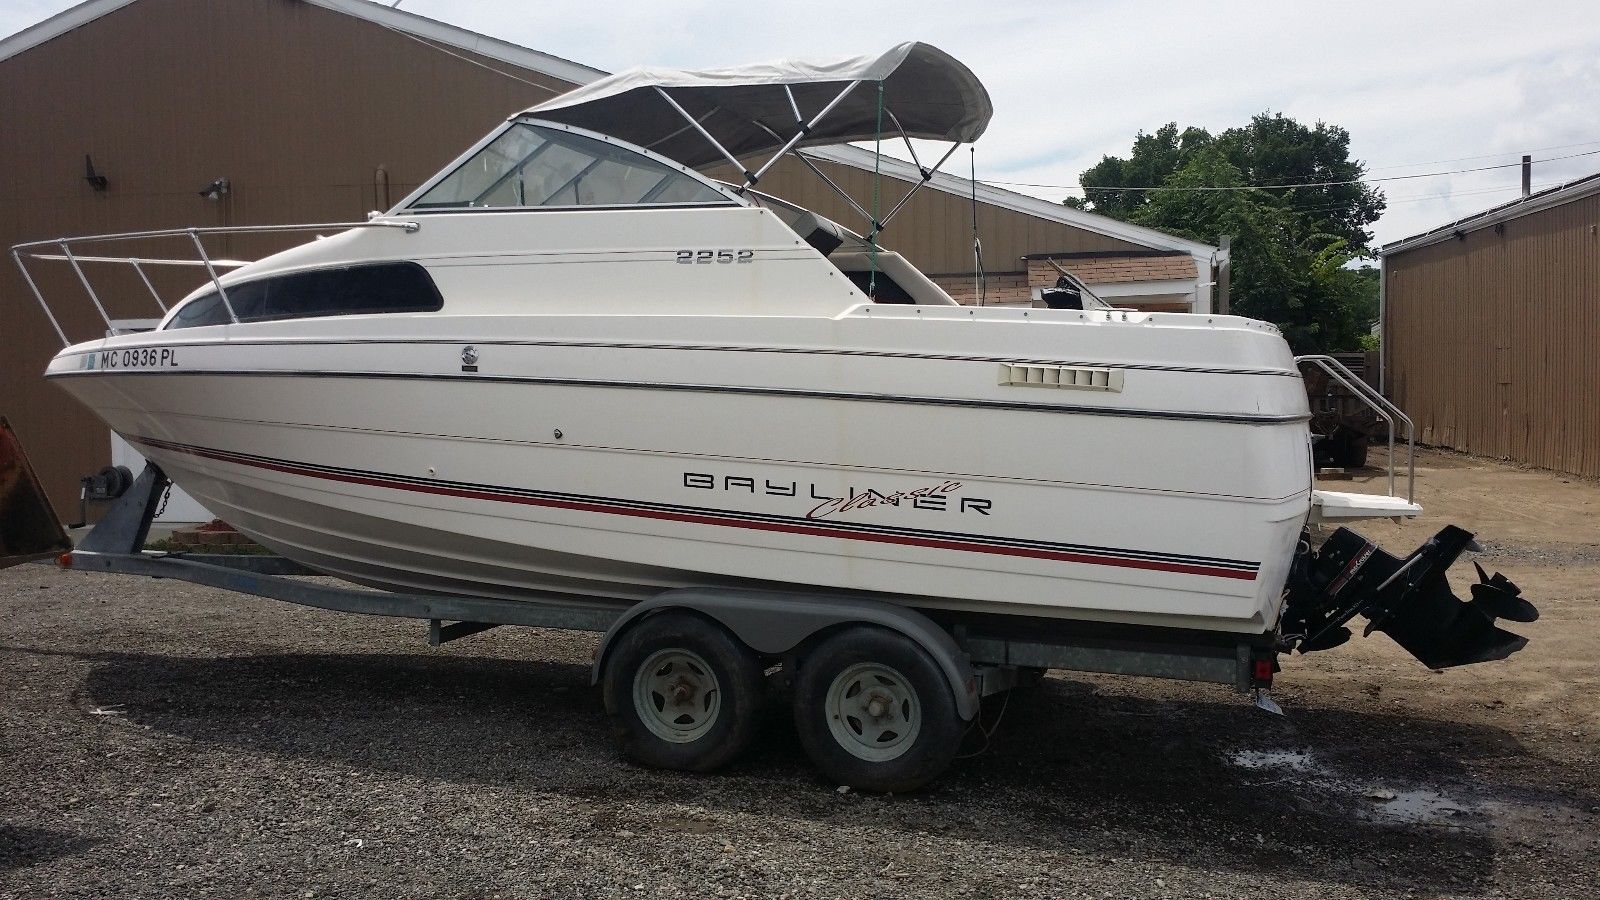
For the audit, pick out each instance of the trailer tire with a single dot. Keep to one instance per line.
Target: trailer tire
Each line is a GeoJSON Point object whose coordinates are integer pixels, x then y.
{"type": "Point", "coordinates": [874, 711]}
{"type": "Point", "coordinates": [682, 693]}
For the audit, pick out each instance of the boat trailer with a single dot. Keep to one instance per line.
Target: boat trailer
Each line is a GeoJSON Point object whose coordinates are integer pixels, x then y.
{"type": "Point", "coordinates": [1409, 599]}
{"type": "Point", "coordinates": [980, 656]}
{"type": "Point", "coordinates": [960, 658]}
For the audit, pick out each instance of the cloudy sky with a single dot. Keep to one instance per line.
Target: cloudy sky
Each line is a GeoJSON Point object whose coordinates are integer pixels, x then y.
{"type": "Point", "coordinates": [1423, 87]}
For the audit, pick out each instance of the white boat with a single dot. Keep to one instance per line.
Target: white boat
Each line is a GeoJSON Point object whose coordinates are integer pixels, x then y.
{"type": "Point", "coordinates": [572, 364]}
{"type": "Point", "coordinates": [572, 375]}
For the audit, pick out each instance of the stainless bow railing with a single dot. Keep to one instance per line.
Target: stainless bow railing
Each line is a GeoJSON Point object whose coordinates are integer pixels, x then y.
{"type": "Point", "coordinates": [65, 253]}
{"type": "Point", "coordinates": [1379, 404]}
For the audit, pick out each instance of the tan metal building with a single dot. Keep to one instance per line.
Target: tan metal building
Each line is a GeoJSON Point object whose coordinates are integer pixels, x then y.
{"type": "Point", "coordinates": [1491, 330]}
{"type": "Point", "coordinates": [320, 111]}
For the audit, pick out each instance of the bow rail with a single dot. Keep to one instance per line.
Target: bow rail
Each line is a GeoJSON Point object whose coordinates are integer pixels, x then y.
{"type": "Point", "coordinates": [61, 250]}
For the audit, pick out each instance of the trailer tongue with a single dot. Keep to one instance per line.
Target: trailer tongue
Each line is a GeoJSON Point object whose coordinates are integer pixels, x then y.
{"type": "Point", "coordinates": [1408, 599]}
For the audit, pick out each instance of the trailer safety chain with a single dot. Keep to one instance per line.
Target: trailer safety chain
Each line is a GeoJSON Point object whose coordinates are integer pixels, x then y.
{"type": "Point", "coordinates": [978, 723]}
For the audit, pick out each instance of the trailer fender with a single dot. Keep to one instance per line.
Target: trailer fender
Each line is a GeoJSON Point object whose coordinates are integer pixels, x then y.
{"type": "Point", "coordinates": [773, 623]}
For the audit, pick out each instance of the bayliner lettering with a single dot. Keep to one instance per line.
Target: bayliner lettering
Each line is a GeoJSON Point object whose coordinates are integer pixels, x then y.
{"type": "Point", "coordinates": [140, 358]}
{"type": "Point", "coordinates": [936, 497]}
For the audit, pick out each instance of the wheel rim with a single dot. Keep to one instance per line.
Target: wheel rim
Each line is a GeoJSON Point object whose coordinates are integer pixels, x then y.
{"type": "Point", "coordinates": [873, 712]}
{"type": "Point", "coordinates": [676, 695]}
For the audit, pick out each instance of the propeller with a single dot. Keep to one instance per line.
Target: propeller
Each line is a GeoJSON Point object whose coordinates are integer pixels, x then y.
{"type": "Point", "coordinates": [1500, 598]}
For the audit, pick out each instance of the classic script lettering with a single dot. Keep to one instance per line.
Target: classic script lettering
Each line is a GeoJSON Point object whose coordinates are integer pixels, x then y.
{"type": "Point", "coordinates": [940, 497]}
{"type": "Point", "coordinates": [870, 498]}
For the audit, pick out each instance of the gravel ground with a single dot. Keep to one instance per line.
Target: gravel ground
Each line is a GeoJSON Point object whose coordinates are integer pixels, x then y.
{"type": "Point", "coordinates": [163, 739]}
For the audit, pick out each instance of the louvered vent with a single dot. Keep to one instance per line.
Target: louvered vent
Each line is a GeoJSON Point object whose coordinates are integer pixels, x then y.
{"type": "Point", "coordinates": [1082, 378]}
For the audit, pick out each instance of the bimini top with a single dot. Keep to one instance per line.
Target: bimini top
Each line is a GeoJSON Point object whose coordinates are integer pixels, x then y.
{"type": "Point", "coordinates": [705, 116]}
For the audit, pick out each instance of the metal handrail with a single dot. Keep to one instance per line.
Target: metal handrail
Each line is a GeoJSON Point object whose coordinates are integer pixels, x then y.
{"type": "Point", "coordinates": [66, 254]}
{"type": "Point", "coordinates": [1380, 405]}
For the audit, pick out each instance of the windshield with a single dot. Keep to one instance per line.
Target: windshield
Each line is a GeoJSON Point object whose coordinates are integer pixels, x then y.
{"type": "Point", "coordinates": [531, 165]}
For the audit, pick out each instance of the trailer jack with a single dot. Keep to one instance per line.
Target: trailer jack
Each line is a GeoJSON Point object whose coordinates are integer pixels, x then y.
{"type": "Point", "coordinates": [1407, 599]}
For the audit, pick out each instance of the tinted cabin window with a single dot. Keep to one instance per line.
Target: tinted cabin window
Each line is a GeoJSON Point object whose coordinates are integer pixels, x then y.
{"type": "Point", "coordinates": [888, 290]}
{"type": "Point", "coordinates": [528, 165]}
{"type": "Point", "coordinates": [354, 291]}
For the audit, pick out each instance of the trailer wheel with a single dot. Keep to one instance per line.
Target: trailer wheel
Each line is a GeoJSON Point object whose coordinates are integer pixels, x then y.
{"type": "Point", "coordinates": [682, 693]}
{"type": "Point", "coordinates": [874, 711]}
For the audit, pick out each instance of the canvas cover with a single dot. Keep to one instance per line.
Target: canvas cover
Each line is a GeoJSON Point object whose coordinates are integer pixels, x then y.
{"type": "Point", "coordinates": [746, 109]}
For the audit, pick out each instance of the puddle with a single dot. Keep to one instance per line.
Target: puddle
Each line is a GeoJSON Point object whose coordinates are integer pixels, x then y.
{"type": "Point", "coordinates": [1375, 802]}
{"type": "Point", "coordinates": [1293, 760]}
{"type": "Point", "coordinates": [1421, 807]}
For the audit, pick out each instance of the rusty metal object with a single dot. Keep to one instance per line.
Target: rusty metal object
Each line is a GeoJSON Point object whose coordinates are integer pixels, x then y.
{"type": "Point", "coordinates": [1346, 426]}
{"type": "Point", "coordinates": [29, 528]}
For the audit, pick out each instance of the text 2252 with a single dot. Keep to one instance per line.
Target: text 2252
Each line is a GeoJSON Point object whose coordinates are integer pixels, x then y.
{"type": "Point", "coordinates": [713, 257]}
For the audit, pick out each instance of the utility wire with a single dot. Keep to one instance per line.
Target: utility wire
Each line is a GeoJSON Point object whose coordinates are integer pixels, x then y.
{"type": "Point", "coordinates": [464, 58]}
{"type": "Point", "coordinates": [1291, 186]}
{"type": "Point", "coordinates": [1422, 198]}
{"type": "Point", "coordinates": [1436, 162]}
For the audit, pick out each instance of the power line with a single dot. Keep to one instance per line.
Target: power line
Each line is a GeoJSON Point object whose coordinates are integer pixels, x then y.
{"type": "Point", "coordinates": [1436, 162]}
{"type": "Point", "coordinates": [1422, 198]}
{"type": "Point", "coordinates": [464, 58]}
{"type": "Point", "coordinates": [1289, 186]}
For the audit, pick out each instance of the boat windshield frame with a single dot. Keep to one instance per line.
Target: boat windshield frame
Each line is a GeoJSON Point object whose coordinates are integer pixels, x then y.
{"type": "Point", "coordinates": [407, 207]}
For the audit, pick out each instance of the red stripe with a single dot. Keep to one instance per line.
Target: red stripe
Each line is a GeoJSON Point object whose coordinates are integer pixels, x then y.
{"type": "Point", "coordinates": [817, 530]}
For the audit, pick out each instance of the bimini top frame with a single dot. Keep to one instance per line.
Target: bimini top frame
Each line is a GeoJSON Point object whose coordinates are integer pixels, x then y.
{"type": "Point", "coordinates": [706, 117]}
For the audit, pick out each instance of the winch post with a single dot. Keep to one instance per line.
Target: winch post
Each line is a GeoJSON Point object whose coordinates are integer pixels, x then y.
{"type": "Point", "coordinates": [126, 524]}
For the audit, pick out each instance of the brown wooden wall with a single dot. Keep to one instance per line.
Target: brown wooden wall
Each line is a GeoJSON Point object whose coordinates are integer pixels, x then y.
{"type": "Point", "coordinates": [1494, 339]}
{"type": "Point", "coordinates": [298, 106]}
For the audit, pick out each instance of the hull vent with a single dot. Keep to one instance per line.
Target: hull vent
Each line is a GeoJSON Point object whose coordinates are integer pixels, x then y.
{"type": "Point", "coordinates": [1081, 378]}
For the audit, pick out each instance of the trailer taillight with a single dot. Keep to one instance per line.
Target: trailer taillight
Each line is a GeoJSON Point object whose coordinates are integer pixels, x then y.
{"type": "Point", "coordinates": [1261, 673]}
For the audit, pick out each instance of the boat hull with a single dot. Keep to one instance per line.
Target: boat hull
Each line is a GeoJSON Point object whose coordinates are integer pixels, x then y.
{"type": "Point", "coordinates": [615, 469]}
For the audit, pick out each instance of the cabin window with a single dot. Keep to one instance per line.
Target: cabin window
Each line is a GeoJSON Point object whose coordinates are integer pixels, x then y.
{"type": "Point", "coordinates": [529, 165]}
{"type": "Point", "coordinates": [883, 289]}
{"type": "Point", "coordinates": [349, 291]}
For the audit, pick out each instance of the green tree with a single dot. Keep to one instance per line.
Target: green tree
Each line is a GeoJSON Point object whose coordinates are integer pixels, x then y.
{"type": "Point", "coordinates": [1275, 149]}
{"type": "Point", "coordinates": [1291, 245]}
{"type": "Point", "coordinates": [1154, 159]}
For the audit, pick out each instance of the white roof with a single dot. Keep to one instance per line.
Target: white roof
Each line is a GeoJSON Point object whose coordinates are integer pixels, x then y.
{"type": "Point", "coordinates": [1586, 186]}
{"type": "Point", "coordinates": [378, 13]}
{"type": "Point", "coordinates": [861, 158]}
{"type": "Point", "coordinates": [577, 73]}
